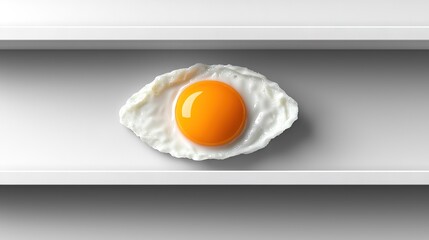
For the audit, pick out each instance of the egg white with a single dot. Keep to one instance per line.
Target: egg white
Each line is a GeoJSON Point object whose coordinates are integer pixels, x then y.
{"type": "Point", "coordinates": [149, 113]}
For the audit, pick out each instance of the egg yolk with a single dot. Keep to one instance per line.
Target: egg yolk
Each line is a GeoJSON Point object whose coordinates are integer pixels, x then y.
{"type": "Point", "coordinates": [210, 113]}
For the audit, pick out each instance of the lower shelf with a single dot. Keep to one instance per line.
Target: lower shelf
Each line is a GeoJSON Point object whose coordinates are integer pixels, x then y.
{"type": "Point", "coordinates": [215, 177]}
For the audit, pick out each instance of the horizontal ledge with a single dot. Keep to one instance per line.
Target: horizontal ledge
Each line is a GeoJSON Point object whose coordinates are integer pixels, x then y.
{"type": "Point", "coordinates": [214, 177]}
{"type": "Point", "coordinates": [387, 37]}
{"type": "Point", "coordinates": [217, 33]}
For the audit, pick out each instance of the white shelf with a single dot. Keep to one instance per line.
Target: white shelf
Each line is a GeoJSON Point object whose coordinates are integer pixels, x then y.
{"type": "Point", "coordinates": [212, 37]}
{"type": "Point", "coordinates": [214, 177]}
{"type": "Point", "coordinates": [222, 24]}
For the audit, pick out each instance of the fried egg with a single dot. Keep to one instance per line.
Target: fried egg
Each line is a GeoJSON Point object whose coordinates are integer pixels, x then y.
{"type": "Point", "coordinates": [209, 112]}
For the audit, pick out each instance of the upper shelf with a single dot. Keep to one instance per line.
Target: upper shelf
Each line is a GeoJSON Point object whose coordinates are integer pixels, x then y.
{"type": "Point", "coordinates": [181, 37]}
{"type": "Point", "coordinates": [226, 24]}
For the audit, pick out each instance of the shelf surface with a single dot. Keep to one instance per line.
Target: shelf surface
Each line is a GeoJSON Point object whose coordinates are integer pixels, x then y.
{"type": "Point", "coordinates": [166, 24]}
{"type": "Point", "coordinates": [214, 13]}
{"type": "Point", "coordinates": [268, 37]}
{"type": "Point", "coordinates": [363, 118]}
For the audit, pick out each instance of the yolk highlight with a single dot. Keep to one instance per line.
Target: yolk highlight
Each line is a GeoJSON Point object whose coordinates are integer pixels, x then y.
{"type": "Point", "coordinates": [210, 113]}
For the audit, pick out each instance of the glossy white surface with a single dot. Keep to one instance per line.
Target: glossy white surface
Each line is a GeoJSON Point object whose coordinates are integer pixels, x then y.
{"type": "Point", "coordinates": [215, 177]}
{"type": "Point", "coordinates": [213, 13]}
{"type": "Point", "coordinates": [223, 24]}
{"type": "Point", "coordinates": [185, 37]}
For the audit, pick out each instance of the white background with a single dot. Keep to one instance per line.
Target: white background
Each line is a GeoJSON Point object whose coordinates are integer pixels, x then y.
{"type": "Point", "coordinates": [216, 212]}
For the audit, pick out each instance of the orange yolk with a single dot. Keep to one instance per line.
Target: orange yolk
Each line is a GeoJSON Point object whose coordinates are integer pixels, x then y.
{"type": "Point", "coordinates": [210, 113]}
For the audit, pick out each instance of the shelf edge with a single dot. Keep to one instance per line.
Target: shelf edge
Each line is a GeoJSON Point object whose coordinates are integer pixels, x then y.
{"type": "Point", "coordinates": [214, 177]}
{"type": "Point", "coordinates": [216, 37]}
